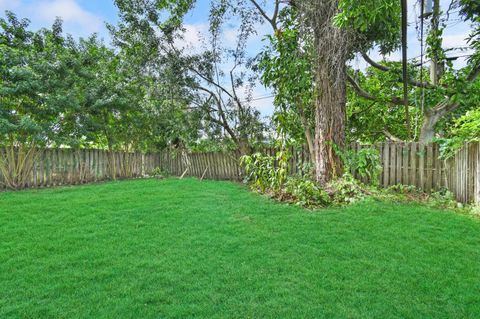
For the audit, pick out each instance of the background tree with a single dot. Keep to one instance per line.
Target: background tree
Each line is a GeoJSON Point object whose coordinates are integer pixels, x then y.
{"type": "Point", "coordinates": [215, 93]}
{"type": "Point", "coordinates": [448, 90]}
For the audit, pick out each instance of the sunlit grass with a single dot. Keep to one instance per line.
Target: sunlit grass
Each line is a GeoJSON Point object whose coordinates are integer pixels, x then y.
{"type": "Point", "coordinates": [185, 248]}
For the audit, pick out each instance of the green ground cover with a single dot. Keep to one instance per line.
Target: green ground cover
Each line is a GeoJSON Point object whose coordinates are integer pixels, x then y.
{"type": "Point", "coordinates": [185, 248]}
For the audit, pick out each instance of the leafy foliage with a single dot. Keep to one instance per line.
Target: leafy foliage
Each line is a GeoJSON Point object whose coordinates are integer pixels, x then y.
{"type": "Point", "coordinates": [306, 192]}
{"type": "Point", "coordinates": [159, 173]}
{"type": "Point", "coordinates": [266, 172]}
{"type": "Point", "coordinates": [466, 129]}
{"type": "Point", "coordinates": [365, 162]}
{"type": "Point", "coordinates": [286, 66]}
{"type": "Point", "coordinates": [58, 91]}
{"type": "Point", "coordinates": [347, 190]}
{"type": "Point", "coordinates": [376, 22]}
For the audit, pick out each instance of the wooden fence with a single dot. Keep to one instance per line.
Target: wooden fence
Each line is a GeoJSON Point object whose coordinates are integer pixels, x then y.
{"type": "Point", "coordinates": [420, 165]}
{"type": "Point", "coordinates": [55, 167]}
{"type": "Point", "coordinates": [403, 163]}
{"type": "Point", "coordinates": [413, 164]}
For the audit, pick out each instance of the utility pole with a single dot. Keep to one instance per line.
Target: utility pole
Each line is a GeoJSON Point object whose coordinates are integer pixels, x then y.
{"type": "Point", "coordinates": [405, 64]}
{"type": "Point", "coordinates": [434, 64]}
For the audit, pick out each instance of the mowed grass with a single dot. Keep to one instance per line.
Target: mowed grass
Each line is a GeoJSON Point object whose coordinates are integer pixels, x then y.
{"type": "Point", "coordinates": [191, 249]}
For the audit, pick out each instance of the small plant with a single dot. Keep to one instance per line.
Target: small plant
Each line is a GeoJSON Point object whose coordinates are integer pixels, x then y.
{"type": "Point", "coordinates": [347, 190]}
{"type": "Point", "coordinates": [266, 172]}
{"type": "Point", "coordinates": [402, 189]}
{"type": "Point", "coordinates": [259, 169]}
{"type": "Point", "coordinates": [306, 193]}
{"type": "Point", "coordinates": [365, 162]}
{"type": "Point", "coordinates": [475, 210]}
{"type": "Point", "coordinates": [159, 173]}
{"type": "Point", "coordinates": [443, 199]}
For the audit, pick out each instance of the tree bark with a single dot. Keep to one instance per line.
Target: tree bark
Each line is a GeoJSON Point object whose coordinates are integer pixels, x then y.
{"type": "Point", "coordinates": [332, 46]}
{"type": "Point", "coordinates": [329, 123]}
{"type": "Point", "coordinates": [244, 146]}
{"type": "Point", "coordinates": [431, 117]}
{"type": "Point", "coordinates": [427, 132]}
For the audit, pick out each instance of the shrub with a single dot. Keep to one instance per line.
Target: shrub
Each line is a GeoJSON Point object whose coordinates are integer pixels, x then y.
{"type": "Point", "coordinates": [442, 199]}
{"type": "Point", "coordinates": [365, 162]}
{"type": "Point", "coordinates": [347, 190]}
{"type": "Point", "coordinates": [402, 189]}
{"type": "Point", "coordinates": [266, 172]}
{"type": "Point", "coordinates": [306, 193]}
{"type": "Point", "coordinates": [259, 169]}
{"type": "Point", "coordinates": [475, 210]}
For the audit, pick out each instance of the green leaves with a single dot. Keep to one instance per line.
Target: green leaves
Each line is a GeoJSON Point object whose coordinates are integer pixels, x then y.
{"type": "Point", "coordinates": [55, 90]}
{"type": "Point", "coordinates": [287, 67]}
{"type": "Point", "coordinates": [165, 14]}
{"type": "Point", "coordinates": [365, 161]}
{"type": "Point", "coordinates": [376, 22]}
{"type": "Point", "coordinates": [465, 129]}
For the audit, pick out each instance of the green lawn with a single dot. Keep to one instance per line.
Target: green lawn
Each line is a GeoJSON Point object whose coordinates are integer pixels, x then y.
{"type": "Point", "coordinates": [185, 248]}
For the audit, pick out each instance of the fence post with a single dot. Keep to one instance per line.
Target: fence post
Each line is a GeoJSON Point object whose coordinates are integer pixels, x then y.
{"type": "Point", "coordinates": [477, 176]}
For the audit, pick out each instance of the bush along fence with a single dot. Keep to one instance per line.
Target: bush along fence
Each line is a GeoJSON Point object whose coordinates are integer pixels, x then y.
{"type": "Point", "coordinates": [403, 163]}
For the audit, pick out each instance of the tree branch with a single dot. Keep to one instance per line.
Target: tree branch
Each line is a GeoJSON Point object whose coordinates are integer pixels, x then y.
{"type": "Point", "coordinates": [223, 122]}
{"type": "Point", "coordinates": [375, 64]}
{"type": "Point", "coordinates": [273, 19]}
{"type": "Point", "coordinates": [474, 73]}
{"type": "Point", "coordinates": [210, 81]}
{"type": "Point", "coordinates": [390, 136]}
{"type": "Point", "coordinates": [386, 69]}
{"type": "Point", "coordinates": [361, 92]}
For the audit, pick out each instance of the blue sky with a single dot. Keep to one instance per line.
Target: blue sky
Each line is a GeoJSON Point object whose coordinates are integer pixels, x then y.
{"type": "Point", "coordinates": [83, 17]}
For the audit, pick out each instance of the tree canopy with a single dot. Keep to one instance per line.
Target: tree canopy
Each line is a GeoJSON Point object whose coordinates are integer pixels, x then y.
{"type": "Point", "coordinates": [148, 90]}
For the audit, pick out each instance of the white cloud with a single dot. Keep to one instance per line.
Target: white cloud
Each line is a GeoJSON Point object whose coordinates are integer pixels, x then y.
{"type": "Point", "coordinates": [73, 15]}
{"type": "Point", "coordinates": [77, 20]}
{"type": "Point", "coordinates": [230, 36]}
{"type": "Point", "coordinates": [9, 5]}
{"type": "Point", "coordinates": [194, 33]}
{"type": "Point", "coordinates": [193, 37]}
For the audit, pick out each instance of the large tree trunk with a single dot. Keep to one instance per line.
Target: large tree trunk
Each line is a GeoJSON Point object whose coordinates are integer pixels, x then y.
{"type": "Point", "coordinates": [329, 124]}
{"type": "Point", "coordinates": [427, 132]}
{"type": "Point", "coordinates": [333, 46]}
{"type": "Point", "coordinates": [432, 117]}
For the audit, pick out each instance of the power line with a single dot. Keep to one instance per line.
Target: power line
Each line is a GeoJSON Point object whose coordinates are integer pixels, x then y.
{"type": "Point", "coordinates": [447, 58]}
{"type": "Point", "coordinates": [258, 98]}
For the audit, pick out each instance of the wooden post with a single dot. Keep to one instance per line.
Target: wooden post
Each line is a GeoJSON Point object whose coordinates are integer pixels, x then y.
{"type": "Point", "coordinates": [477, 175]}
{"type": "Point", "coordinates": [203, 175]}
{"type": "Point", "coordinates": [405, 166]}
{"type": "Point", "coordinates": [421, 166]}
{"type": "Point", "coordinates": [386, 163]}
{"type": "Point", "coordinates": [393, 157]}
{"type": "Point", "coordinates": [429, 181]}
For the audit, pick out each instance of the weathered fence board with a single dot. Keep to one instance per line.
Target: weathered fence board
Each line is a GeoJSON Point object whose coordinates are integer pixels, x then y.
{"type": "Point", "coordinates": [403, 163]}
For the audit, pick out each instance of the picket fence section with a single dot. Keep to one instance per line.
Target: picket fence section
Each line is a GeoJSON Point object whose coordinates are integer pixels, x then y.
{"type": "Point", "coordinates": [420, 165]}
{"type": "Point", "coordinates": [412, 164]}
{"type": "Point", "coordinates": [403, 163]}
{"type": "Point", "coordinates": [55, 167]}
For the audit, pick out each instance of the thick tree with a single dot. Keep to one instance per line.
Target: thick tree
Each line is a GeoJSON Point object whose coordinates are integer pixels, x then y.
{"type": "Point", "coordinates": [336, 30]}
